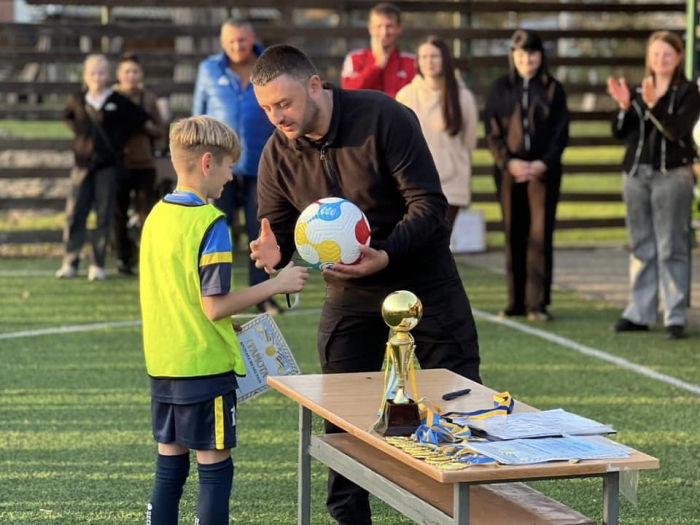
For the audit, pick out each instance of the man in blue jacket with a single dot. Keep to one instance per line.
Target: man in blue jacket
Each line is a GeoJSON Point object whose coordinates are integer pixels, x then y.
{"type": "Point", "coordinates": [223, 91]}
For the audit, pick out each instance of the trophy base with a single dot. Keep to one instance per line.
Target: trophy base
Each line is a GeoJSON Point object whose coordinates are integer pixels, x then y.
{"type": "Point", "coordinates": [399, 420]}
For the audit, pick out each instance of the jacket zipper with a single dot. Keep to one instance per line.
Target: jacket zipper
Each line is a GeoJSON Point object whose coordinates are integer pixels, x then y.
{"type": "Point", "coordinates": [330, 173]}
{"type": "Point", "coordinates": [638, 153]}
{"type": "Point", "coordinates": [526, 120]}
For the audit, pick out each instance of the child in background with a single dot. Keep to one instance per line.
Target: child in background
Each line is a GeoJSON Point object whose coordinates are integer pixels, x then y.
{"type": "Point", "coordinates": [102, 121]}
{"type": "Point", "coordinates": [139, 176]}
{"type": "Point", "coordinates": [192, 353]}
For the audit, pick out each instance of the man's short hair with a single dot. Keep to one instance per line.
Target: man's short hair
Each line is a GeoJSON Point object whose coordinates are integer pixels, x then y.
{"type": "Point", "coordinates": [387, 9]}
{"type": "Point", "coordinates": [192, 137]}
{"type": "Point", "coordinates": [282, 60]}
{"type": "Point", "coordinates": [238, 23]}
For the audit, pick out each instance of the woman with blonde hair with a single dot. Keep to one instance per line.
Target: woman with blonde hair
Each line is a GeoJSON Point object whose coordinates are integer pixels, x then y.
{"type": "Point", "coordinates": [448, 116]}
{"type": "Point", "coordinates": [656, 121]}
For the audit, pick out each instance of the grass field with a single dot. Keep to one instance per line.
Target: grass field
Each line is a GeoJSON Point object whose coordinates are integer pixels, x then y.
{"type": "Point", "coordinates": [75, 443]}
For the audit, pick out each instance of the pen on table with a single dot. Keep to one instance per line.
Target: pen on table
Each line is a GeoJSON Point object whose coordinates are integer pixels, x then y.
{"type": "Point", "coordinates": [454, 395]}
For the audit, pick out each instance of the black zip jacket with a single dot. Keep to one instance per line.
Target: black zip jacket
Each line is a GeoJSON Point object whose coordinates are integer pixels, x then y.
{"type": "Point", "coordinates": [119, 118]}
{"type": "Point", "coordinates": [527, 122]}
{"type": "Point", "coordinates": [666, 128]}
{"type": "Point", "coordinates": [374, 155]}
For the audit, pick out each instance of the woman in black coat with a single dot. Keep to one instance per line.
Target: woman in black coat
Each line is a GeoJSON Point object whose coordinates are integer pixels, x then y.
{"type": "Point", "coordinates": [527, 130]}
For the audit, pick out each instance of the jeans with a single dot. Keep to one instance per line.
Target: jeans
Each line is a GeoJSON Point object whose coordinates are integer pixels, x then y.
{"type": "Point", "coordinates": [89, 188]}
{"type": "Point", "coordinates": [244, 189]}
{"type": "Point", "coordinates": [658, 222]}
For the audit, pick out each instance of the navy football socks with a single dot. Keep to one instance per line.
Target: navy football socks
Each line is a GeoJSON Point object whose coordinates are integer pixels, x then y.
{"type": "Point", "coordinates": [171, 474]}
{"type": "Point", "coordinates": [215, 483]}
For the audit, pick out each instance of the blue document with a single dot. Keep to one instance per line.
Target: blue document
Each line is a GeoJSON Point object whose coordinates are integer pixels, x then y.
{"type": "Point", "coordinates": [556, 422]}
{"type": "Point", "coordinates": [530, 451]}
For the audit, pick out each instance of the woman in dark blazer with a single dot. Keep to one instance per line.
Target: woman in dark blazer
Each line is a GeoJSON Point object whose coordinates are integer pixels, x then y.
{"type": "Point", "coordinates": [527, 130]}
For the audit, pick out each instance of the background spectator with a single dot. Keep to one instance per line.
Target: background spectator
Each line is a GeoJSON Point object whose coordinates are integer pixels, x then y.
{"type": "Point", "coordinates": [527, 130]}
{"type": "Point", "coordinates": [223, 91]}
{"type": "Point", "coordinates": [381, 66]}
{"type": "Point", "coordinates": [656, 121]}
{"type": "Point", "coordinates": [448, 116]}
{"type": "Point", "coordinates": [139, 176]}
{"type": "Point", "coordinates": [102, 121]}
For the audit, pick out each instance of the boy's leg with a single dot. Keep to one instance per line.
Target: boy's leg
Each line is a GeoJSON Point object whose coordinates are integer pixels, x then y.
{"type": "Point", "coordinates": [172, 469]}
{"type": "Point", "coordinates": [215, 485]}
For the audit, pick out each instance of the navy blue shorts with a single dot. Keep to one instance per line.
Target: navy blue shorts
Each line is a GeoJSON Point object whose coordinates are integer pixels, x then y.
{"type": "Point", "coordinates": [209, 425]}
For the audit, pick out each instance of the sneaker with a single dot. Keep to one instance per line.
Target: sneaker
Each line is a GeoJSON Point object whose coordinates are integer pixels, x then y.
{"type": "Point", "coordinates": [512, 312]}
{"type": "Point", "coordinates": [675, 331]}
{"type": "Point", "coordinates": [625, 325]}
{"type": "Point", "coordinates": [539, 315]}
{"type": "Point", "coordinates": [270, 306]}
{"type": "Point", "coordinates": [96, 273]}
{"type": "Point", "coordinates": [66, 272]}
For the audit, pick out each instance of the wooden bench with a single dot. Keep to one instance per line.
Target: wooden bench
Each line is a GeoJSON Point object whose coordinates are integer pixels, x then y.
{"type": "Point", "coordinates": [504, 504]}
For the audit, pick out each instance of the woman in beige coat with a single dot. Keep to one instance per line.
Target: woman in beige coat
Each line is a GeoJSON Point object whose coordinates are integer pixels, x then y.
{"type": "Point", "coordinates": [448, 115]}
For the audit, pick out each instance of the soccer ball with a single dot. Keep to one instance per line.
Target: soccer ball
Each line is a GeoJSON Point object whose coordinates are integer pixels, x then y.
{"type": "Point", "coordinates": [329, 231]}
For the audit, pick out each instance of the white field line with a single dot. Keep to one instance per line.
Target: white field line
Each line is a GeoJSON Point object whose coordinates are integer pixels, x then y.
{"type": "Point", "coordinates": [70, 329]}
{"type": "Point", "coordinates": [536, 332]}
{"type": "Point", "coordinates": [591, 352]}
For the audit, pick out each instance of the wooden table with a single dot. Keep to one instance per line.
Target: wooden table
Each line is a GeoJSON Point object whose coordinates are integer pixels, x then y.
{"type": "Point", "coordinates": [351, 401]}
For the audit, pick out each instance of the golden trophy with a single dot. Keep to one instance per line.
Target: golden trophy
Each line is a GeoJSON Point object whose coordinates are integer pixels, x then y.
{"type": "Point", "coordinates": [399, 414]}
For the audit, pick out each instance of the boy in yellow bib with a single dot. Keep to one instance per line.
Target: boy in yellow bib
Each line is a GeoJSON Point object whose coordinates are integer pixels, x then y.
{"type": "Point", "coordinates": [192, 353]}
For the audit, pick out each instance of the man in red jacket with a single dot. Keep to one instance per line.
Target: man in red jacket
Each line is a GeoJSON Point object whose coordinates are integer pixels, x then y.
{"type": "Point", "coordinates": [382, 66]}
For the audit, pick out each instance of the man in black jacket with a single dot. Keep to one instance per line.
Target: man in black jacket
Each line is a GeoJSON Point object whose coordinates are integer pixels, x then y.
{"type": "Point", "coordinates": [367, 148]}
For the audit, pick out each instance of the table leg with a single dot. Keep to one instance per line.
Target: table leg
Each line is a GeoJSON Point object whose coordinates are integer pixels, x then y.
{"type": "Point", "coordinates": [611, 498]}
{"type": "Point", "coordinates": [461, 503]}
{"type": "Point", "coordinates": [304, 496]}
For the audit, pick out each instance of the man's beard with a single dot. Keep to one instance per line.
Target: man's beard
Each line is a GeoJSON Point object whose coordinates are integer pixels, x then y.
{"type": "Point", "coordinates": [311, 116]}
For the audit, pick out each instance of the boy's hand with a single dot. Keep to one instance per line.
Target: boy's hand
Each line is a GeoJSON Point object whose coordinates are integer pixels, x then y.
{"type": "Point", "coordinates": [264, 250]}
{"type": "Point", "coordinates": [291, 279]}
{"type": "Point", "coordinates": [372, 261]}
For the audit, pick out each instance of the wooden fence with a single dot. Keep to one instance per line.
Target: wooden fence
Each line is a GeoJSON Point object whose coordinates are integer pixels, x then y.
{"type": "Point", "coordinates": [171, 51]}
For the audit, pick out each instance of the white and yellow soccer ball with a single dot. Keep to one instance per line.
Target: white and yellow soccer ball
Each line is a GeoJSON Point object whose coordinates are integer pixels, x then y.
{"type": "Point", "coordinates": [330, 231]}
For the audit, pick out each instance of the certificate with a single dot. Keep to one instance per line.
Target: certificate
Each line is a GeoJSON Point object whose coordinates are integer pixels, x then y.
{"type": "Point", "coordinates": [265, 353]}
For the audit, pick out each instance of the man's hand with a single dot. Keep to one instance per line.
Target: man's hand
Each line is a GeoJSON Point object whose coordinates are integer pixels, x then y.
{"type": "Point", "coordinates": [264, 250]}
{"type": "Point", "coordinates": [381, 57]}
{"type": "Point", "coordinates": [620, 92]}
{"type": "Point", "coordinates": [372, 261]}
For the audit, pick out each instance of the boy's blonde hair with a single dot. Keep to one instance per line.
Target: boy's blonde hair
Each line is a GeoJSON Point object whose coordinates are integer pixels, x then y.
{"type": "Point", "coordinates": [192, 137]}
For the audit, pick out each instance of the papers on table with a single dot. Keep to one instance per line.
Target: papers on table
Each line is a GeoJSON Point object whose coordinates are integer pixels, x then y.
{"type": "Point", "coordinates": [529, 451]}
{"type": "Point", "coordinates": [536, 424]}
{"type": "Point", "coordinates": [265, 353]}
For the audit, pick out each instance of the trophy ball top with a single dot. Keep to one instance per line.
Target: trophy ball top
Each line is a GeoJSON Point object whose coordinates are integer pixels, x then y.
{"type": "Point", "coordinates": [402, 310]}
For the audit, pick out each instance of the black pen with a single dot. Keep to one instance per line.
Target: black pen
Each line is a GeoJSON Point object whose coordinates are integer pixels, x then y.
{"type": "Point", "coordinates": [454, 395]}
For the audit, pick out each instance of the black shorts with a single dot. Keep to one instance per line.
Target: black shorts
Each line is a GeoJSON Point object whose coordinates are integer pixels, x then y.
{"type": "Point", "coordinates": [208, 425]}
